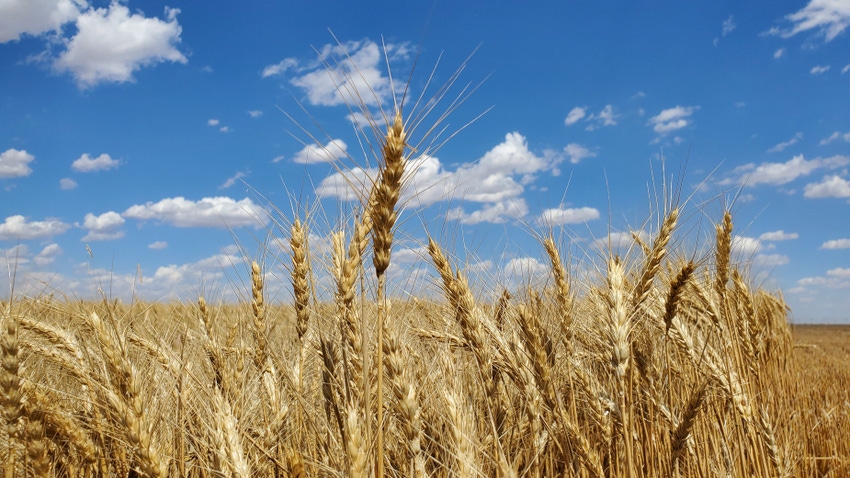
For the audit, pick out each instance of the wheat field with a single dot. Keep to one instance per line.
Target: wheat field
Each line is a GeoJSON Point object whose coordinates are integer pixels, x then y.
{"type": "Point", "coordinates": [661, 362]}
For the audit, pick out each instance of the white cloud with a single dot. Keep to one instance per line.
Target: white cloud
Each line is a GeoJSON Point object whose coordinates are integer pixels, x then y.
{"type": "Point", "coordinates": [67, 184]}
{"type": "Point", "coordinates": [278, 159]}
{"type": "Point", "coordinates": [833, 186]}
{"type": "Point", "coordinates": [619, 241]}
{"type": "Point", "coordinates": [575, 115]}
{"type": "Point", "coordinates": [845, 69]}
{"type": "Point", "coordinates": [34, 17]}
{"type": "Point", "coordinates": [212, 122]}
{"type": "Point", "coordinates": [279, 68]}
{"type": "Point", "coordinates": [778, 236]}
{"type": "Point", "coordinates": [208, 212]}
{"type": "Point", "coordinates": [85, 163]}
{"type": "Point", "coordinates": [561, 215]}
{"type": "Point", "coordinates": [782, 146]}
{"type": "Point", "coordinates": [334, 149]}
{"type": "Point", "coordinates": [672, 119]}
{"type": "Point", "coordinates": [496, 213]}
{"type": "Point", "coordinates": [778, 53]}
{"type": "Point", "coordinates": [839, 272]}
{"type": "Point", "coordinates": [830, 282]}
{"type": "Point", "coordinates": [47, 255]}
{"type": "Point", "coordinates": [783, 173]}
{"type": "Point", "coordinates": [105, 227]}
{"type": "Point", "coordinates": [111, 44]}
{"type": "Point", "coordinates": [745, 246]}
{"type": "Point", "coordinates": [577, 152]}
{"type": "Point", "coordinates": [525, 268]}
{"type": "Point", "coordinates": [232, 180]}
{"type": "Point", "coordinates": [225, 129]}
{"type": "Point", "coordinates": [818, 69]}
{"type": "Point", "coordinates": [834, 137]}
{"type": "Point", "coordinates": [255, 113]}
{"type": "Point", "coordinates": [17, 228]}
{"type": "Point", "coordinates": [605, 117]}
{"type": "Point", "coordinates": [770, 260]}
{"type": "Point", "coordinates": [728, 26]}
{"type": "Point", "coordinates": [344, 73]}
{"type": "Point", "coordinates": [836, 244]}
{"type": "Point", "coordinates": [15, 163]}
{"type": "Point", "coordinates": [828, 17]}
{"type": "Point", "coordinates": [158, 245]}
{"type": "Point", "coordinates": [498, 178]}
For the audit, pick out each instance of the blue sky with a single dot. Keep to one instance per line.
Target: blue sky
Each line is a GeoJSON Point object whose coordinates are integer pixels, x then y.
{"type": "Point", "coordinates": [149, 139]}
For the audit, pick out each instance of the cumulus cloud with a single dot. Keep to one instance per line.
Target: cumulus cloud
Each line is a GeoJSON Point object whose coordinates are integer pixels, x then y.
{"type": "Point", "coordinates": [577, 152]}
{"type": "Point", "coordinates": [770, 260]}
{"type": "Point", "coordinates": [212, 122]}
{"type": "Point", "coordinates": [349, 72]}
{"type": "Point", "coordinates": [778, 53]}
{"type": "Point", "coordinates": [564, 215]}
{"type": "Point", "coordinates": [836, 244]}
{"type": "Point", "coordinates": [522, 269]}
{"type": "Point", "coordinates": [778, 236]}
{"type": "Point", "coordinates": [334, 149]}
{"type": "Point", "coordinates": [87, 164]}
{"type": "Point", "coordinates": [745, 246]}
{"type": "Point", "coordinates": [828, 18]}
{"type": "Point", "coordinates": [111, 44]}
{"type": "Point", "coordinates": [833, 186]}
{"type": "Point", "coordinates": [15, 163]}
{"type": "Point", "coordinates": [255, 113]}
{"type": "Point", "coordinates": [834, 137]}
{"type": "Point", "coordinates": [17, 228]}
{"type": "Point", "coordinates": [208, 212]}
{"type": "Point", "coordinates": [783, 173]}
{"type": "Point", "coordinates": [619, 241]}
{"type": "Point", "coordinates": [158, 245]}
{"type": "Point", "coordinates": [672, 119]}
{"type": "Point", "coordinates": [575, 115]}
{"type": "Point", "coordinates": [47, 255]}
{"type": "Point", "coordinates": [845, 69]}
{"type": "Point", "coordinates": [818, 69]}
{"type": "Point", "coordinates": [105, 227]}
{"type": "Point", "coordinates": [34, 17]}
{"type": "Point", "coordinates": [496, 213]}
{"type": "Point", "coordinates": [498, 178]}
{"type": "Point", "coordinates": [67, 184]}
{"type": "Point", "coordinates": [782, 146]}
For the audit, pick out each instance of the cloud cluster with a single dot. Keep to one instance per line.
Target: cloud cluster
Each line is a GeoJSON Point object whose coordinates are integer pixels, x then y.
{"type": "Point", "coordinates": [111, 44]}
{"type": "Point", "coordinates": [105, 227]}
{"type": "Point", "coordinates": [34, 17]}
{"type": "Point", "coordinates": [333, 150]}
{"type": "Point", "coordinates": [828, 18]}
{"type": "Point", "coordinates": [18, 228]}
{"type": "Point", "coordinates": [15, 163]}
{"type": "Point", "coordinates": [782, 173]}
{"type": "Point", "coordinates": [605, 117]}
{"type": "Point", "coordinates": [220, 212]}
{"type": "Point", "coordinates": [833, 186]}
{"type": "Point", "coordinates": [496, 180]}
{"type": "Point", "coordinates": [343, 73]}
{"type": "Point", "coordinates": [87, 164]}
{"type": "Point", "coordinates": [672, 119]}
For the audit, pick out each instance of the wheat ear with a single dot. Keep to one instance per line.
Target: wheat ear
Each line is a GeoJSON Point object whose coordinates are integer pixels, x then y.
{"type": "Point", "coordinates": [383, 214]}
